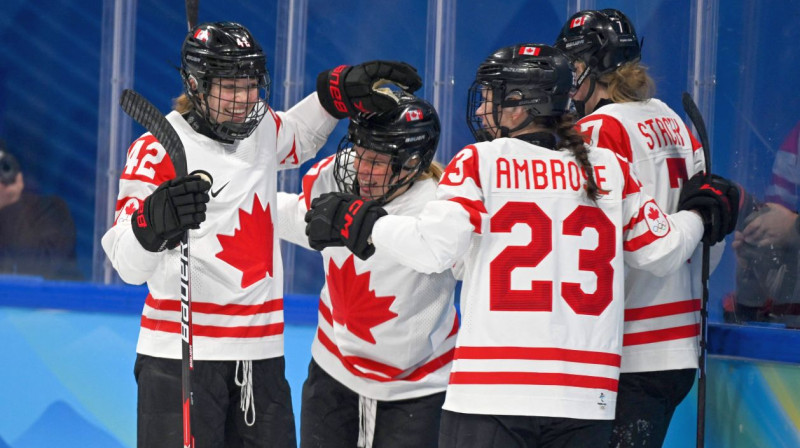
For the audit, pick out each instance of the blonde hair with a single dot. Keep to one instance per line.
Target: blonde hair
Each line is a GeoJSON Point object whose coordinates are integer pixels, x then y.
{"type": "Point", "coordinates": [630, 82]}
{"type": "Point", "coordinates": [182, 104]}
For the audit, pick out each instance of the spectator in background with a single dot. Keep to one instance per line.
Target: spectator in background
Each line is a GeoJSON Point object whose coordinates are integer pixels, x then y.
{"type": "Point", "coordinates": [767, 246]}
{"type": "Point", "coordinates": [37, 233]}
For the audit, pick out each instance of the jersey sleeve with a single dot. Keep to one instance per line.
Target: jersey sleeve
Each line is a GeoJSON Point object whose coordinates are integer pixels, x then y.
{"type": "Point", "coordinates": [292, 208]}
{"type": "Point", "coordinates": [147, 166]}
{"type": "Point", "coordinates": [440, 235]}
{"type": "Point", "coordinates": [653, 240]}
{"type": "Point", "coordinates": [301, 131]}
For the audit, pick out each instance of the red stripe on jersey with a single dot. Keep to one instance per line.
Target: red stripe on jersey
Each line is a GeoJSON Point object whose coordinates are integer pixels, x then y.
{"type": "Point", "coordinates": [269, 306]}
{"type": "Point", "coordinates": [665, 309]}
{"type": "Point", "coordinates": [277, 119]}
{"type": "Point", "coordinates": [666, 334]}
{"type": "Point", "coordinates": [534, 379]}
{"type": "Point", "coordinates": [695, 144]}
{"type": "Point", "coordinates": [632, 184]}
{"type": "Point", "coordinates": [326, 313]}
{"type": "Point", "coordinates": [147, 161]}
{"type": "Point", "coordinates": [474, 209]}
{"type": "Point", "coordinates": [293, 154]}
{"type": "Point", "coordinates": [635, 220]}
{"type": "Point", "coordinates": [211, 331]}
{"type": "Point", "coordinates": [312, 175]}
{"type": "Point", "coordinates": [456, 324]}
{"type": "Point", "coordinates": [639, 242]}
{"type": "Point", "coordinates": [539, 354]}
{"type": "Point", "coordinates": [355, 364]}
{"type": "Point", "coordinates": [611, 134]}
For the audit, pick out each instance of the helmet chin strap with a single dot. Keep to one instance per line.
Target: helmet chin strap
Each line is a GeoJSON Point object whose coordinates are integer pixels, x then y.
{"type": "Point", "coordinates": [580, 106]}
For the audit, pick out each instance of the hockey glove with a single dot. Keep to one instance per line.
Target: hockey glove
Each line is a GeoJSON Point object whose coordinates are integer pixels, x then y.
{"type": "Point", "coordinates": [348, 90]}
{"type": "Point", "coordinates": [717, 202]}
{"type": "Point", "coordinates": [174, 207]}
{"type": "Point", "coordinates": [347, 217]}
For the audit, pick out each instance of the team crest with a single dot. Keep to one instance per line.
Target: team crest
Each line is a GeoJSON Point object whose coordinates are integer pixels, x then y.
{"type": "Point", "coordinates": [201, 35]}
{"type": "Point", "coordinates": [656, 220]}
{"type": "Point", "coordinates": [413, 115]}
{"type": "Point", "coordinates": [529, 51]}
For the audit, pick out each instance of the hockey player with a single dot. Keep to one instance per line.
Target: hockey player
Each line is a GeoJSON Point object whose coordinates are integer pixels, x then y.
{"type": "Point", "coordinates": [543, 226]}
{"type": "Point", "coordinates": [615, 93]}
{"type": "Point", "coordinates": [386, 333]}
{"type": "Point", "coordinates": [240, 394]}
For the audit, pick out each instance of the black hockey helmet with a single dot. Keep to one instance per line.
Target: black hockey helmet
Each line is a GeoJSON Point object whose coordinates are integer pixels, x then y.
{"type": "Point", "coordinates": [408, 134]}
{"type": "Point", "coordinates": [224, 50]}
{"type": "Point", "coordinates": [537, 77]}
{"type": "Point", "coordinates": [603, 40]}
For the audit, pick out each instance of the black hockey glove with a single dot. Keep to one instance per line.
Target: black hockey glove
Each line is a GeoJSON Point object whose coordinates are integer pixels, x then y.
{"type": "Point", "coordinates": [717, 202]}
{"type": "Point", "coordinates": [346, 217]}
{"type": "Point", "coordinates": [174, 207]}
{"type": "Point", "coordinates": [345, 91]}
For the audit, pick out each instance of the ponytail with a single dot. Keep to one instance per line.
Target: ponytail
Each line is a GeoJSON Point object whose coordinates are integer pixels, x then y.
{"type": "Point", "coordinates": [569, 138]}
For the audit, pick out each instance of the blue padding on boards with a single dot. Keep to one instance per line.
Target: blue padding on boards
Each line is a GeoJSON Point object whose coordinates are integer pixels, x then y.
{"type": "Point", "coordinates": [35, 292]}
{"type": "Point", "coordinates": [754, 342]}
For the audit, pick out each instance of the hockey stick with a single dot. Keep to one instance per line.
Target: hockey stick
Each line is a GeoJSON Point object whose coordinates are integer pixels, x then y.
{"type": "Point", "coordinates": [693, 112]}
{"type": "Point", "coordinates": [191, 13]}
{"type": "Point", "coordinates": [147, 115]}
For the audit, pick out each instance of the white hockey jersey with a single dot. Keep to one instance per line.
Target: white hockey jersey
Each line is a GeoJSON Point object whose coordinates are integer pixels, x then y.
{"type": "Point", "coordinates": [236, 270]}
{"type": "Point", "coordinates": [542, 299]}
{"type": "Point", "coordinates": [385, 331]}
{"type": "Point", "coordinates": [661, 313]}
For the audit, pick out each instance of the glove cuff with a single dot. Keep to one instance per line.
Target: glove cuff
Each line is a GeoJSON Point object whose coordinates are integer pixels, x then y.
{"type": "Point", "coordinates": [331, 92]}
{"type": "Point", "coordinates": [145, 234]}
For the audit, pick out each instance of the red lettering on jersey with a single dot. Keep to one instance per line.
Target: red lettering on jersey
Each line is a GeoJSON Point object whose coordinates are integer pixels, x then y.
{"type": "Point", "coordinates": [598, 176]}
{"type": "Point", "coordinates": [655, 132]}
{"type": "Point", "coordinates": [503, 173]}
{"type": "Point", "coordinates": [521, 170]}
{"type": "Point", "coordinates": [539, 174]}
{"type": "Point", "coordinates": [664, 132]}
{"type": "Point", "coordinates": [643, 130]}
{"type": "Point", "coordinates": [574, 175]}
{"type": "Point", "coordinates": [557, 172]}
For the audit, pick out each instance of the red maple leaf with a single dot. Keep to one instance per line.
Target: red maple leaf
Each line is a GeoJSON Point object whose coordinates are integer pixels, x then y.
{"type": "Point", "coordinates": [249, 249]}
{"type": "Point", "coordinates": [653, 213]}
{"type": "Point", "coordinates": [354, 304]}
{"type": "Point", "coordinates": [130, 208]}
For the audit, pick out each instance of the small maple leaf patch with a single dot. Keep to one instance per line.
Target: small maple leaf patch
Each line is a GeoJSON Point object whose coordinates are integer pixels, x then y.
{"type": "Point", "coordinates": [249, 249]}
{"type": "Point", "coordinates": [354, 304]}
{"type": "Point", "coordinates": [656, 221]}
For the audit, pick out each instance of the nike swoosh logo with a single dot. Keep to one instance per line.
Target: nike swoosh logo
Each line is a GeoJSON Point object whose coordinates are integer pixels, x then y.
{"type": "Point", "coordinates": [215, 193]}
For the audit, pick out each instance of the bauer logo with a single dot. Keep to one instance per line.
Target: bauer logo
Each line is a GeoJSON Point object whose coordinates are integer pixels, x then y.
{"type": "Point", "coordinates": [656, 220]}
{"type": "Point", "coordinates": [413, 115]}
{"type": "Point", "coordinates": [530, 51]}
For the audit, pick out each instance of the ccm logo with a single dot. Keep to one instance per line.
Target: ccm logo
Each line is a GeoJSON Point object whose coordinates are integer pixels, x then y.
{"type": "Point", "coordinates": [333, 86]}
{"type": "Point", "coordinates": [348, 217]}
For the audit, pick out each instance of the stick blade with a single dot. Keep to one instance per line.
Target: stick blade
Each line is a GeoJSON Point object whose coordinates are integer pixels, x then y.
{"type": "Point", "coordinates": [147, 115]}
{"type": "Point", "coordinates": [191, 13]}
